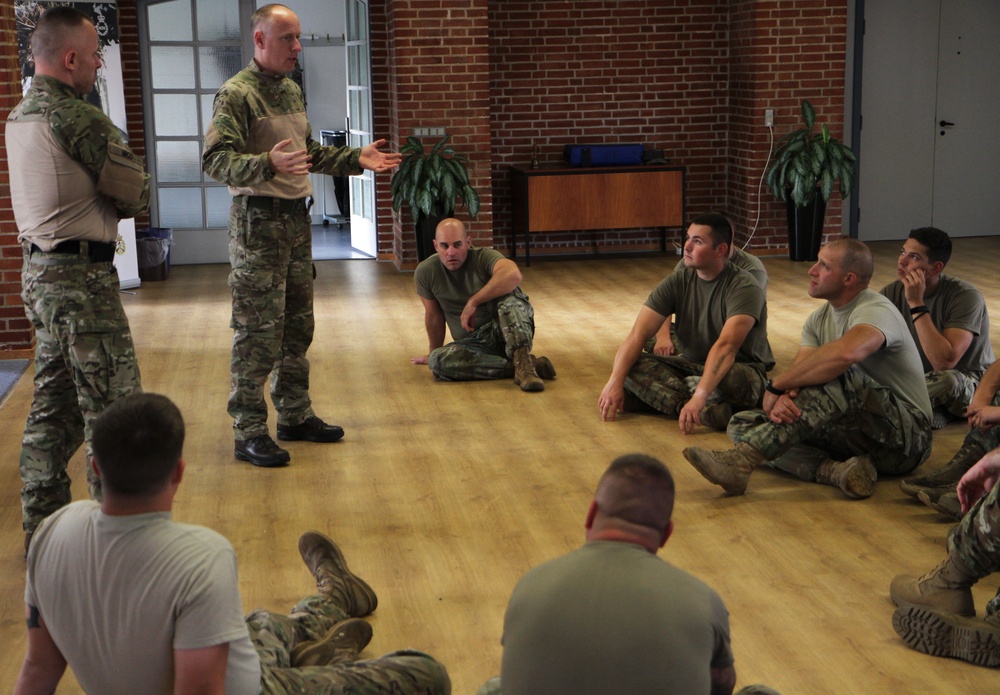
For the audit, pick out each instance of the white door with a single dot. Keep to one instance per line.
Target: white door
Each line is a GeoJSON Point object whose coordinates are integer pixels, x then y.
{"type": "Point", "coordinates": [927, 61]}
{"type": "Point", "coordinates": [359, 126]}
{"type": "Point", "coordinates": [967, 154]}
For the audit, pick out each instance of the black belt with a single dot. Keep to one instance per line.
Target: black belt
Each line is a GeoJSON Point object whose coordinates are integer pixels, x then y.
{"type": "Point", "coordinates": [94, 251]}
{"type": "Point", "coordinates": [278, 206]}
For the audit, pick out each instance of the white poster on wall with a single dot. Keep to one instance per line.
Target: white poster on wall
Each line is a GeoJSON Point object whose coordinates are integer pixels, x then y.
{"type": "Point", "coordinates": [108, 94]}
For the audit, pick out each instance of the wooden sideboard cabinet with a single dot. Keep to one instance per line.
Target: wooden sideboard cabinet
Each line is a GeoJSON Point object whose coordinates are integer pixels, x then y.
{"type": "Point", "coordinates": [568, 199]}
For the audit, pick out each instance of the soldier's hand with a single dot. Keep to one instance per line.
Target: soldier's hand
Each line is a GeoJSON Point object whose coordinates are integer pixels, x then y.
{"type": "Point", "coordinates": [784, 410]}
{"type": "Point", "coordinates": [611, 402]}
{"type": "Point", "coordinates": [419, 360]}
{"type": "Point", "coordinates": [664, 348]}
{"type": "Point", "coordinates": [979, 480]}
{"type": "Point", "coordinates": [690, 416]}
{"type": "Point", "coordinates": [914, 286]}
{"type": "Point", "coordinates": [296, 163]}
{"type": "Point", "coordinates": [468, 314]}
{"type": "Point", "coordinates": [376, 161]}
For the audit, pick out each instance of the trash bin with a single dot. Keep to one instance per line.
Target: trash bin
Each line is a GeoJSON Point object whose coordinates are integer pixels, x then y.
{"type": "Point", "coordinates": [152, 246]}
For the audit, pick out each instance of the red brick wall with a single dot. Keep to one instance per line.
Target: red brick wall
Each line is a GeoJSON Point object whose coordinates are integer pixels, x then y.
{"type": "Point", "coordinates": [653, 72]}
{"type": "Point", "coordinates": [782, 52]}
{"type": "Point", "coordinates": [15, 331]}
{"type": "Point", "coordinates": [431, 68]}
{"type": "Point", "coordinates": [129, 37]}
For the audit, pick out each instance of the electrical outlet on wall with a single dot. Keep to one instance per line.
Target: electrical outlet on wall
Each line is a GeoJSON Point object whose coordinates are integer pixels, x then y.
{"type": "Point", "coordinates": [768, 118]}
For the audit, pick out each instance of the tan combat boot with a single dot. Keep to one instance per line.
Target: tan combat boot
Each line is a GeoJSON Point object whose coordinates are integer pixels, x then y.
{"type": "Point", "coordinates": [333, 578]}
{"type": "Point", "coordinates": [340, 645]}
{"type": "Point", "coordinates": [945, 477]}
{"type": "Point", "coordinates": [856, 476]}
{"type": "Point", "coordinates": [947, 589]}
{"type": "Point", "coordinates": [730, 469]}
{"type": "Point", "coordinates": [944, 500]}
{"type": "Point", "coordinates": [524, 371]}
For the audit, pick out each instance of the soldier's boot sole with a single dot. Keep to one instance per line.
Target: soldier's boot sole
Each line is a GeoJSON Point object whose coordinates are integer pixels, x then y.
{"type": "Point", "coordinates": [941, 634]}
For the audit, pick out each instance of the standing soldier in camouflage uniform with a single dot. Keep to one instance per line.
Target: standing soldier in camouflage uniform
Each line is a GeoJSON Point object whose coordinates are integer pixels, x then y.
{"type": "Point", "coordinates": [71, 179]}
{"type": "Point", "coordinates": [935, 613]}
{"type": "Point", "coordinates": [136, 602]}
{"type": "Point", "coordinates": [260, 144]}
{"type": "Point", "coordinates": [852, 404]}
{"type": "Point", "coordinates": [948, 320]}
{"type": "Point", "coordinates": [475, 291]}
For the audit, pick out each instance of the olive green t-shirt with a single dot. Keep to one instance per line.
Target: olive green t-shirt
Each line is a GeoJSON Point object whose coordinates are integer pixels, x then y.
{"type": "Point", "coordinates": [702, 307]}
{"type": "Point", "coordinates": [451, 289]}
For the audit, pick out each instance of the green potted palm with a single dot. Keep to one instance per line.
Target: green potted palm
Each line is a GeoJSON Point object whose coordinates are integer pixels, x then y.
{"type": "Point", "coordinates": [807, 165]}
{"type": "Point", "coordinates": [432, 183]}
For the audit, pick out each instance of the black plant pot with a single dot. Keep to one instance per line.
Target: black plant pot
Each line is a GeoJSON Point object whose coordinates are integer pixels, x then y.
{"type": "Point", "coordinates": [426, 227]}
{"type": "Point", "coordinates": [805, 229]}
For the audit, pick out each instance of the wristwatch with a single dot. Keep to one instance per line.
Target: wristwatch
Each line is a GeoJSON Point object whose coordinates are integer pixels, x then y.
{"type": "Point", "coordinates": [771, 388]}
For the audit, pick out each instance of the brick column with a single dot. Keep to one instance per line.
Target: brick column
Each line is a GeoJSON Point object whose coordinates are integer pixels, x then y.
{"type": "Point", "coordinates": [16, 336]}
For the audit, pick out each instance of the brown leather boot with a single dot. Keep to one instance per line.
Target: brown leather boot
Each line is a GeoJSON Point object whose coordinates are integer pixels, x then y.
{"type": "Point", "coordinates": [856, 476]}
{"type": "Point", "coordinates": [947, 476]}
{"type": "Point", "coordinates": [947, 588]}
{"type": "Point", "coordinates": [340, 645]}
{"type": "Point", "coordinates": [333, 578]}
{"type": "Point", "coordinates": [524, 371]}
{"type": "Point", "coordinates": [730, 469]}
{"type": "Point", "coordinates": [543, 367]}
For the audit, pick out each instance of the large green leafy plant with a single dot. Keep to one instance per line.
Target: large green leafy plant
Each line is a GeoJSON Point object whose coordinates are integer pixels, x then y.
{"type": "Point", "coordinates": [432, 183]}
{"type": "Point", "coordinates": [808, 162]}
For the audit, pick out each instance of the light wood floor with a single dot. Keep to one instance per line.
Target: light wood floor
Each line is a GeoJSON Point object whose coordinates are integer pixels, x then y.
{"type": "Point", "coordinates": [443, 495]}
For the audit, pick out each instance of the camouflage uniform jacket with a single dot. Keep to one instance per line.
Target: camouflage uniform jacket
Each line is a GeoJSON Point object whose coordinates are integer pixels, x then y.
{"type": "Point", "coordinates": [253, 112]}
{"type": "Point", "coordinates": [72, 175]}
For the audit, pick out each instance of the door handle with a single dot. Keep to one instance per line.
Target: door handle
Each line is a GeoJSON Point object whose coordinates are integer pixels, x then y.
{"type": "Point", "coordinates": [945, 123]}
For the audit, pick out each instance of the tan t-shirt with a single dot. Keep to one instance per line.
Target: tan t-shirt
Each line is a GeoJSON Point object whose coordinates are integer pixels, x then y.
{"type": "Point", "coordinates": [119, 594]}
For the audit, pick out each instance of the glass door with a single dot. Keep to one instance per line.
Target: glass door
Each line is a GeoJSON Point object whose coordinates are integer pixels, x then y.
{"type": "Point", "coordinates": [359, 126]}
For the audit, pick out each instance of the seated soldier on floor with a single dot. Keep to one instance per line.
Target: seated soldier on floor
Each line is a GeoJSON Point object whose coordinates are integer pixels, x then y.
{"type": "Point", "coordinates": [477, 293]}
{"type": "Point", "coordinates": [135, 602]}
{"type": "Point", "coordinates": [853, 402]}
{"type": "Point", "coordinates": [722, 324]}
{"type": "Point", "coordinates": [948, 320]}
{"type": "Point", "coordinates": [612, 616]}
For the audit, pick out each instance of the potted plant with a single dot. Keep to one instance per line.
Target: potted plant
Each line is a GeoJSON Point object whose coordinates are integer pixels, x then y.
{"type": "Point", "coordinates": [432, 184]}
{"type": "Point", "coordinates": [806, 166]}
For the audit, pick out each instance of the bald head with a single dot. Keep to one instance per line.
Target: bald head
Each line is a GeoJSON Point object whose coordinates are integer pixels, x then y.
{"type": "Point", "coordinates": [261, 19]}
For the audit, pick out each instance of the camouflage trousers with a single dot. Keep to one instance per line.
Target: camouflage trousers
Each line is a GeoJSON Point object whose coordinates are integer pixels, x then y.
{"type": "Point", "coordinates": [84, 360]}
{"type": "Point", "coordinates": [488, 352]}
{"type": "Point", "coordinates": [951, 390]}
{"type": "Point", "coordinates": [270, 251]}
{"type": "Point", "coordinates": [274, 636]}
{"type": "Point", "coordinates": [667, 382]}
{"type": "Point", "coordinates": [975, 542]}
{"type": "Point", "coordinates": [848, 416]}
